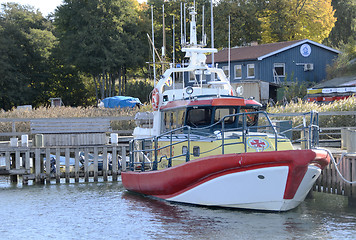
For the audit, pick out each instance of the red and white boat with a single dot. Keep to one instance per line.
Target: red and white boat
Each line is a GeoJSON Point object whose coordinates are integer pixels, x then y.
{"type": "Point", "coordinates": [207, 146]}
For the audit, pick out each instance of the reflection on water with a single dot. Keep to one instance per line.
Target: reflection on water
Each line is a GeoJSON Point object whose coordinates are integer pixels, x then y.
{"type": "Point", "coordinates": [107, 211]}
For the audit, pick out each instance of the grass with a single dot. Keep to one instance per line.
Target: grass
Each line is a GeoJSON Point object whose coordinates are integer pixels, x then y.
{"type": "Point", "coordinates": [324, 121]}
{"type": "Point", "coordinates": [69, 112]}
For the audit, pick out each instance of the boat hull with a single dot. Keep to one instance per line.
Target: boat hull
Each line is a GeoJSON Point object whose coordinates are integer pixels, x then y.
{"type": "Point", "coordinates": [274, 181]}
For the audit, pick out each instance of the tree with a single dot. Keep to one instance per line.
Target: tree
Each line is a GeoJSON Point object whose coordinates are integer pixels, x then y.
{"type": "Point", "coordinates": [345, 64]}
{"type": "Point", "coordinates": [245, 27]}
{"type": "Point", "coordinates": [100, 39]}
{"type": "Point", "coordinates": [286, 20]}
{"type": "Point", "coordinates": [25, 43]}
{"type": "Point", "coordinates": [345, 26]}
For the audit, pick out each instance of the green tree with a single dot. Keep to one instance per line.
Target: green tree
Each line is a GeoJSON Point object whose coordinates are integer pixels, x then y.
{"type": "Point", "coordinates": [345, 26]}
{"type": "Point", "coordinates": [25, 43]}
{"type": "Point", "coordinates": [286, 20]}
{"type": "Point", "coordinates": [100, 39]}
{"type": "Point", "coordinates": [245, 26]}
{"type": "Point", "coordinates": [345, 64]}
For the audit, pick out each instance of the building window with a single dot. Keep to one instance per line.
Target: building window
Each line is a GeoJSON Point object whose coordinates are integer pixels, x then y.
{"type": "Point", "coordinates": [279, 69]}
{"type": "Point", "coordinates": [238, 71]}
{"type": "Point", "coordinates": [250, 70]}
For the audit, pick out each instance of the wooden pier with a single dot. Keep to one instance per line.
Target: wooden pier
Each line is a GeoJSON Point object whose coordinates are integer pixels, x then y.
{"type": "Point", "coordinates": [330, 181]}
{"type": "Point", "coordinates": [41, 164]}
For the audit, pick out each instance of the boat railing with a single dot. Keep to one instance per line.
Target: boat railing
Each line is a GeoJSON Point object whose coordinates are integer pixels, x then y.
{"type": "Point", "coordinates": [148, 153]}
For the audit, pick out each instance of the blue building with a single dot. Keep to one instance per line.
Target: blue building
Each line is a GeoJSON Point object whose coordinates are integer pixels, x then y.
{"type": "Point", "coordinates": [261, 69]}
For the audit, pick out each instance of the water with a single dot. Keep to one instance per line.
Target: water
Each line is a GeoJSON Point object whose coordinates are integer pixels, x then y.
{"type": "Point", "coordinates": [106, 211]}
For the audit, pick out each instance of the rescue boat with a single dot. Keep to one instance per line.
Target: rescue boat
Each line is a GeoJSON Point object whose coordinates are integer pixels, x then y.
{"type": "Point", "coordinates": [203, 144]}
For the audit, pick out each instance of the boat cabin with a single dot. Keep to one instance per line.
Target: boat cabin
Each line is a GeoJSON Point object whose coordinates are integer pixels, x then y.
{"type": "Point", "coordinates": [209, 114]}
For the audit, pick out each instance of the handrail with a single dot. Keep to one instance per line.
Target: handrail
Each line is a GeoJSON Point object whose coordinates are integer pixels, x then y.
{"type": "Point", "coordinates": [311, 138]}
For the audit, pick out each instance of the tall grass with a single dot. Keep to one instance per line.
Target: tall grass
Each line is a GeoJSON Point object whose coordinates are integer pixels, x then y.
{"type": "Point", "coordinates": [69, 112]}
{"type": "Point", "coordinates": [324, 121]}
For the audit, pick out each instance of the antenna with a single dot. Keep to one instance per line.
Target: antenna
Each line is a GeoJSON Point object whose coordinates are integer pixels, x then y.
{"type": "Point", "coordinates": [185, 28]}
{"type": "Point", "coordinates": [153, 50]}
{"type": "Point", "coordinates": [229, 52]}
{"type": "Point", "coordinates": [164, 42]}
{"type": "Point", "coordinates": [181, 24]}
{"type": "Point", "coordinates": [212, 36]}
{"type": "Point", "coordinates": [174, 50]}
{"type": "Point", "coordinates": [202, 28]}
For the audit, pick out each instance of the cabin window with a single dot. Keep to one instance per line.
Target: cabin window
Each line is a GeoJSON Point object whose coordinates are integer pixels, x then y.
{"type": "Point", "coordinates": [167, 121]}
{"type": "Point", "coordinates": [226, 70]}
{"type": "Point", "coordinates": [181, 118]}
{"type": "Point", "coordinates": [237, 72]}
{"type": "Point", "coordinates": [222, 112]}
{"type": "Point", "coordinates": [251, 119]}
{"type": "Point", "coordinates": [173, 119]}
{"type": "Point", "coordinates": [197, 117]}
{"type": "Point", "coordinates": [192, 77]}
{"type": "Point", "coordinates": [195, 76]}
{"type": "Point", "coordinates": [279, 69]}
{"type": "Point", "coordinates": [250, 70]}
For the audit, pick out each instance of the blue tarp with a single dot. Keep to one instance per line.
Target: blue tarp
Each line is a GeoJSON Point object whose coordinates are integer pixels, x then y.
{"type": "Point", "coordinates": [121, 102]}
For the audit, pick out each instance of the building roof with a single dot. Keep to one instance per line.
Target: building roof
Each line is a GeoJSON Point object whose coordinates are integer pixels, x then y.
{"type": "Point", "coordinates": [259, 52]}
{"type": "Point", "coordinates": [346, 81]}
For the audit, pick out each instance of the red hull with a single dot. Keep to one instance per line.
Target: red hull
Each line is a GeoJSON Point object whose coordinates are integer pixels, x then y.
{"type": "Point", "coordinates": [172, 181]}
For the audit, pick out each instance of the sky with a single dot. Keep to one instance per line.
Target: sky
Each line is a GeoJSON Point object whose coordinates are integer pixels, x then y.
{"type": "Point", "coordinates": [45, 6]}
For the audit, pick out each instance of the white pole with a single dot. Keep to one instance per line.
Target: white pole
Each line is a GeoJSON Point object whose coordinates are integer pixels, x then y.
{"type": "Point", "coordinates": [185, 27]}
{"type": "Point", "coordinates": [212, 32]}
{"type": "Point", "coordinates": [164, 42]}
{"type": "Point", "coordinates": [181, 24]}
{"type": "Point", "coordinates": [212, 39]}
{"type": "Point", "coordinates": [229, 60]}
{"type": "Point", "coordinates": [174, 50]}
{"type": "Point", "coordinates": [153, 51]}
{"type": "Point", "coordinates": [202, 30]}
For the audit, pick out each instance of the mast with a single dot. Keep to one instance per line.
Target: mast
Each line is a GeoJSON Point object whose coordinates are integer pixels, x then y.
{"type": "Point", "coordinates": [181, 24]}
{"type": "Point", "coordinates": [153, 50]}
{"type": "Point", "coordinates": [174, 50]}
{"type": "Point", "coordinates": [212, 31]}
{"type": "Point", "coordinates": [229, 52]}
{"type": "Point", "coordinates": [185, 28]}
{"type": "Point", "coordinates": [164, 42]}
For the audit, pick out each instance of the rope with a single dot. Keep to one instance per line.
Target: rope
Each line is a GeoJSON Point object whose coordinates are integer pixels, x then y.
{"type": "Point", "coordinates": [336, 165]}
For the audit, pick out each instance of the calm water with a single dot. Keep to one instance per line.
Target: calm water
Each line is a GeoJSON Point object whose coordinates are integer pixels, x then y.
{"type": "Point", "coordinates": [107, 211]}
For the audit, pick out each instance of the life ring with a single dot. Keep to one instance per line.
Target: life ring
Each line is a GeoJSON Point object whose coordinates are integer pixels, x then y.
{"type": "Point", "coordinates": [155, 99]}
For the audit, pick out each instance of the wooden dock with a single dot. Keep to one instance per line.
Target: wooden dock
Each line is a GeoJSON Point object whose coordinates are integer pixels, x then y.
{"type": "Point", "coordinates": [330, 181]}
{"type": "Point", "coordinates": [31, 163]}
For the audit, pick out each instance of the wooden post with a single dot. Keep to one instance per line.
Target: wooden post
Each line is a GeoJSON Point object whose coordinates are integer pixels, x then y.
{"type": "Point", "coordinates": [37, 165]}
{"type": "Point", "coordinates": [86, 164]}
{"type": "Point", "coordinates": [76, 165]}
{"type": "Point", "coordinates": [352, 198]}
{"type": "Point", "coordinates": [27, 161]}
{"type": "Point", "coordinates": [123, 160]}
{"type": "Point", "coordinates": [96, 153]}
{"type": "Point", "coordinates": [114, 164]}
{"type": "Point", "coordinates": [105, 163]}
{"type": "Point", "coordinates": [7, 161]}
{"type": "Point", "coordinates": [58, 165]}
{"type": "Point", "coordinates": [48, 165]}
{"type": "Point", "coordinates": [17, 157]}
{"type": "Point", "coordinates": [67, 156]}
